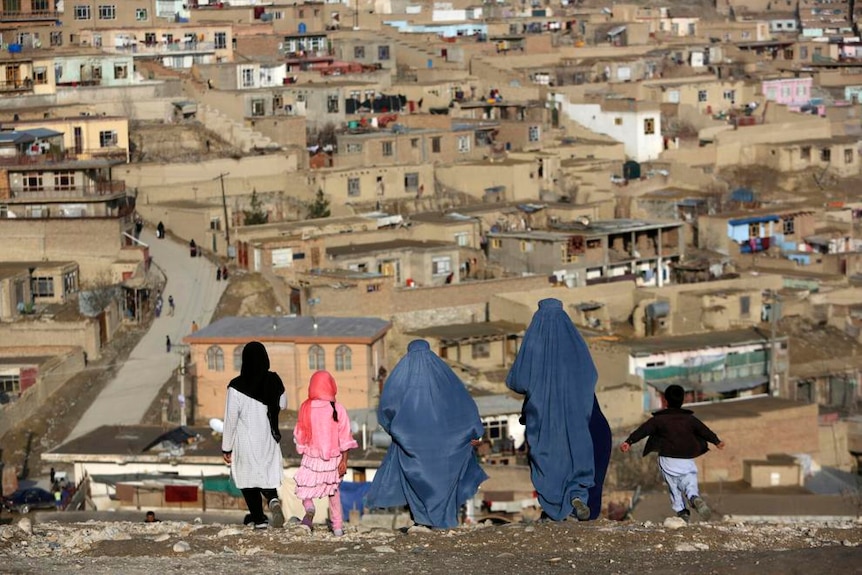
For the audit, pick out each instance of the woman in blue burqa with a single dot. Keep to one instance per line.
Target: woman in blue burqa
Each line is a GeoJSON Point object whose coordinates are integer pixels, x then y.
{"type": "Point", "coordinates": [567, 435]}
{"type": "Point", "coordinates": [434, 425]}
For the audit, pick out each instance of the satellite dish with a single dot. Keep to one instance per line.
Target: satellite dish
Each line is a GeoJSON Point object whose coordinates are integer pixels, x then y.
{"type": "Point", "coordinates": [217, 425]}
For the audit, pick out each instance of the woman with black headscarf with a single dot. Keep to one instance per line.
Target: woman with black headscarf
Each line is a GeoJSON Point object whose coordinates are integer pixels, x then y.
{"type": "Point", "coordinates": [250, 444]}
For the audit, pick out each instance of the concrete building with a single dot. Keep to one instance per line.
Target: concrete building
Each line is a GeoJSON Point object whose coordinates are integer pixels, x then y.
{"type": "Point", "coordinates": [353, 349]}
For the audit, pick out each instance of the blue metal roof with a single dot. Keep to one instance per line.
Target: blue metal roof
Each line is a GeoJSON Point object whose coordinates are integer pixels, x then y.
{"type": "Point", "coordinates": [42, 132]}
{"type": "Point", "coordinates": [753, 220]}
{"type": "Point", "coordinates": [16, 137]}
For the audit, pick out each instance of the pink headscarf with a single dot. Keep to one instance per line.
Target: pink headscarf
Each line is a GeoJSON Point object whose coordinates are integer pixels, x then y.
{"type": "Point", "coordinates": [322, 386]}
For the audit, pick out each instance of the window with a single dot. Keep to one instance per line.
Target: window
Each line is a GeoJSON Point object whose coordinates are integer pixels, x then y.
{"type": "Point", "coordinates": [70, 282]}
{"type": "Point", "coordinates": [383, 52]}
{"type": "Point", "coordinates": [701, 95]}
{"type": "Point", "coordinates": [463, 144]}
{"type": "Point", "coordinates": [107, 12]}
{"type": "Point", "coordinates": [343, 358]}
{"type": "Point", "coordinates": [332, 104]}
{"type": "Point", "coordinates": [258, 108]}
{"type": "Point", "coordinates": [480, 350]}
{"type": "Point", "coordinates": [746, 35]}
{"type": "Point", "coordinates": [82, 12]}
{"type": "Point", "coordinates": [40, 75]}
{"type": "Point", "coordinates": [353, 188]}
{"type": "Point", "coordinates": [435, 145]}
{"type": "Point", "coordinates": [64, 180]}
{"type": "Point", "coordinates": [215, 358]}
{"type": "Point", "coordinates": [411, 182]}
{"type": "Point", "coordinates": [43, 287]}
{"type": "Point", "coordinates": [497, 430]}
{"type": "Point", "coordinates": [10, 385]}
{"type": "Point", "coordinates": [533, 133]}
{"type": "Point", "coordinates": [354, 148]}
{"type": "Point", "coordinates": [150, 38]}
{"type": "Point", "coordinates": [462, 239]}
{"type": "Point", "coordinates": [107, 138]}
{"type": "Point", "coordinates": [788, 225]}
{"type": "Point", "coordinates": [414, 142]}
{"type": "Point", "coordinates": [359, 52]}
{"type": "Point", "coordinates": [215, 224]}
{"type": "Point", "coordinates": [237, 358]}
{"type": "Point", "coordinates": [32, 182]}
{"type": "Point", "coordinates": [141, 14]}
{"type": "Point", "coordinates": [526, 246]}
{"type": "Point", "coordinates": [220, 40]}
{"type": "Point", "coordinates": [803, 52]}
{"type": "Point", "coordinates": [729, 95]}
{"type": "Point", "coordinates": [56, 39]}
{"type": "Point", "coordinates": [441, 266]}
{"type": "Point", "coordinates": [496, 243]}
{"type": "Point", "coordinates": [618, 121]}
{"type": "Point", "coordinates": [848, 155]}
{"type": "Point", "coordinates": [40, 5]}
{"type": "Point", "coordinates": [649, 126]}
{"type": "Point", "coordinates": [825, 155]}
{"type": "Point", "coordinates": [744, 305]}
{"type": "Point", "coordinates": [387, 148]}
{"type": "Point", "coordinates": [121, 71]}
{"type": "Point", "coordinates": [805, 153]}
{"type": "Point", "coordinates": [316, 358]}
{"type": "Point", "coordinates": [247, 77]}
{"type": "Point", "coordinates": [753, 230]}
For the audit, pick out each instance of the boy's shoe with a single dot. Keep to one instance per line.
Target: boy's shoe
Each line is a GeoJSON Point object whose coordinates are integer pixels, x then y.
{"type": "Point", "coordinates": [700, 506]}
{"type": "Point", "coordinates": [685, 515]}
{"type": "Point", "coordinates": [261, 524]}
{"type": "Point", "coordinates": [308, 520]}
{"type": "Point", "coordinates": [580, 509]}
{"type": "Point", "coordinates": [277, 513]}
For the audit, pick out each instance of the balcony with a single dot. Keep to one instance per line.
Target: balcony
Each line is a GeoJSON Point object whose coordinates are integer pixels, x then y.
{"type": "Point", "coordinates": [16, 86]}
{"type": "Point", "coordinates": [66, 159]}
{"type": "Point", "coordinates": [39, 15]}
{"type": "Point", "coordinates": [158, 48]}
{"type": "Point", "coordinates": [90, 190]}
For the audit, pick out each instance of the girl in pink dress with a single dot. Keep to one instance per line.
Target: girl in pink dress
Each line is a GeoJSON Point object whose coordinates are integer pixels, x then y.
{"type": "Point", "coordinates": [322, 436]}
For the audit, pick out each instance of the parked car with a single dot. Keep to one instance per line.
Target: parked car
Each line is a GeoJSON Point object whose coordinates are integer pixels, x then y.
{"type": "Point", "coordinates": [25, 500]}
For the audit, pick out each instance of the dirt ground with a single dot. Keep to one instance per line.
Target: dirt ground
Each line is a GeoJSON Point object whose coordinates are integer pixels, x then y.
{"type": "Point", "coordinates": [601, 547]}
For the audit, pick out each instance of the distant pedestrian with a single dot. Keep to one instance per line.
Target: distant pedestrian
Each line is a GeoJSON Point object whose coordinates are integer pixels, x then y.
{"type": "Point", "coordinates": [53, 476]}
{"type": "Point", "coordinates": [160, 231]}
{"type": "Point", "coordinates": [194, 326]}
{"type": "Point", "coordinates": [151, 517]}
{"type": "Point", "coordinates": [86, 359]}
{"type": "Point", "coordinates": [224, 273]}
{"type": "Point", "coordinates": [322, 435]}
{"type": "Point", "coordinates": [193, 248]}
{"type": "Point", "coordinates": [678, 437]}
{"type": "Point", "coordinates": [218, 274]}
{"type": "Point", "coordinates": [58, 498]}
{"type": "Point", "coordinates": [171, 307]}
{"type": "Point", "coordinates": [168, 343]}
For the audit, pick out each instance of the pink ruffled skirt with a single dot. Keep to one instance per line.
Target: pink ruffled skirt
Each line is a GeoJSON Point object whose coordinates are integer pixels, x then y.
{"type": "Point", "coordinates": [317, 477]}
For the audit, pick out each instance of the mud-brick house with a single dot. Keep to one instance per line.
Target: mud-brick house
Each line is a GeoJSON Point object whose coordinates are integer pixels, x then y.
{"type": "Point", "coordinates": [755, 231]}
{"type": "Point", "coordinates": [405, 262]}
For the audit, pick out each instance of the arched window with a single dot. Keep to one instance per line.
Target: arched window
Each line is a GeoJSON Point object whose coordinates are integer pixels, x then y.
{"type": "Point", "coordinates": [237, 358]}
{"type": "Point", "coordinates": [343, 358]}
{"type": "Point", "coordinates": [215, 358]}
{"type": "Point", "coordinates": [316, 358]}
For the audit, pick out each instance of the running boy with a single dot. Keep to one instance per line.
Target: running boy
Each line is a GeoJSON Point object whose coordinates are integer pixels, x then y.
{"type": "Point", "coordinates": [678, 437]}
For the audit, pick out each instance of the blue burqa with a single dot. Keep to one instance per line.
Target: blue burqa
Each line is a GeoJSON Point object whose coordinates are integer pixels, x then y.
{"type": "Point", "coordinates": [555, 372]}
{"type": "Point", "coordinates": [600, 433]}
{"type": "Point", "coordinates": [431, 418]}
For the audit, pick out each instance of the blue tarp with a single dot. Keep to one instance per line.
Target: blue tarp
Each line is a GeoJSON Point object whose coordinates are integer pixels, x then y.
{"type": "Point", "coordinates": [753, 220]}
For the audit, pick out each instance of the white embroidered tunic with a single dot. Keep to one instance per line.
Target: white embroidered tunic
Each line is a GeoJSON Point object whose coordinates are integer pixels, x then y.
{"type": "Point", "coordinates": [256, 459]}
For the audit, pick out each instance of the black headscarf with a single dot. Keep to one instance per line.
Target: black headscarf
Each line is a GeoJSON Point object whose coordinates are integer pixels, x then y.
{"type": "Point", "coordinates": [257, 382]}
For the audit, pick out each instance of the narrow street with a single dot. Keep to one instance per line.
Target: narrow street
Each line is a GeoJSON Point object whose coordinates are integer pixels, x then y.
{"type": "Point", "coordinates": [193, 285]}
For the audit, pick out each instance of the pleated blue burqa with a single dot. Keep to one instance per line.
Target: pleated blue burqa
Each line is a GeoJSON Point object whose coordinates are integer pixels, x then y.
{"type": "Point", "coordinates": [430, 465]}
{"type": "Point", "coordinates": [555, 372]}
{"type": "Point", "coordinates": [600, 434]}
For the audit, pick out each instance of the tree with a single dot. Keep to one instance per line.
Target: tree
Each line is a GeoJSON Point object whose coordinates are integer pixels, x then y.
{"type": "Point", "coordinates": [319, 208]}
{"type": "Point", "coordinates": [256, 215]}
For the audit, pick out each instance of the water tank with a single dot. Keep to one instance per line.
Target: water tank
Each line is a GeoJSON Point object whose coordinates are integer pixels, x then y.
{"type": "Point", "coordinates": [658, 309]}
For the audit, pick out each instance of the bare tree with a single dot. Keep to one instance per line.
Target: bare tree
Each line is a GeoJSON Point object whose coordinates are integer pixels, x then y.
{"type": "Point", "coordinates": [98, 294]}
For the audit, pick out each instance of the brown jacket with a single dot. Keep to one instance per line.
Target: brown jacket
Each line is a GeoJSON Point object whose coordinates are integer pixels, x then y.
{"type": "Point", "coordinates": [675, 432]}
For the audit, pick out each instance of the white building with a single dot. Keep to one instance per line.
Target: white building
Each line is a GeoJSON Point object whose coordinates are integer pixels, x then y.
{"type": "Point", "coordinates": [637, 124]}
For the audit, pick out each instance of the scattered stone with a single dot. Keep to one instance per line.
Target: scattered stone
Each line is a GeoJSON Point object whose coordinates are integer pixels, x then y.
{"type": "Point", "coordinates": [383, 549]}
{"type": "Point", "coordinates": [529, 529]}
{"type": "Point", "coordinates": [252, 551]}
{"type": "Point", "coordinates": [228, 550]}
{"type": "Point", "coordinates": [505, 554]}
{"type": "Point", "coordinates": [161, 538]}
{"type": "Point", "coordinates": [674, 523]}
{"type": "Point", "coordinates": [848, 543]}
{"type": "Point", "coordinates": [648, 524]}
{"type": "Point", "coordinates": [7, 533]}
{"type": "Point", "coordinates": [181, 547]}
{"type": "Point", "coordinates": [701, 546]}
{"type": "Point", "coordinates": [685, 547]}
{"type": "Point", "coordinates": [555, 559]}
{"type": "Point", "coordinates": [198, 521]}
{"type": "Point", "coordinates": [340, 549]}
{"type": "Point", "coordinates": [418, 529]}
{"type": "Point", "coordinates": [229, 532]}
{"type": "Point", "coordinates": [25, 525]}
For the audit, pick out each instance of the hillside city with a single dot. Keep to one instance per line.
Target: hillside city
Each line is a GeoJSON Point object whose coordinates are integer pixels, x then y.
{"type": "Point", "coordinates": [337, 179]}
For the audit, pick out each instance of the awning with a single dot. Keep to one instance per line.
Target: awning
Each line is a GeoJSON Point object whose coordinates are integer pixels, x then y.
{"type": "Point", "coordinates": [753, 220]}
{"type": "Point", "coordinates": [616, 31]}
{"type": "Point", "coordinates": [723, 386]}
{"type": "Point", "coordinates": [186, 107]}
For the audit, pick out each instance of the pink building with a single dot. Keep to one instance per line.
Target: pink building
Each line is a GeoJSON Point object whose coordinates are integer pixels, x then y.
{"type": "Point", "coordinates": [792, 92]}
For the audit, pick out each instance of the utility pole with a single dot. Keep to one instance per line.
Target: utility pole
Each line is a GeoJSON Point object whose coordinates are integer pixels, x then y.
{"type": "Point", "coordinates": [224, 205]}
{"type": "Point", "coordinates": [182, 396]}
{"type": "Point", "coordinates": [774, 300]}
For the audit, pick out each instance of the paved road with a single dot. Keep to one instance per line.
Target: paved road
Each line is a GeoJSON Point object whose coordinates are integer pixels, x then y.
{"type": "Point", "coordinates": [192, 282]}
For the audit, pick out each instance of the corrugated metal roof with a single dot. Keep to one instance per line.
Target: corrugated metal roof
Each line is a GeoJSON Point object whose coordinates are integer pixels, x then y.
{"type": "Point", "coordinates": [268, 327]}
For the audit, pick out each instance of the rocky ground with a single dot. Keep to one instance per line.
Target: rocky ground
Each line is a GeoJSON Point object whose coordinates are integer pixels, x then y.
{"type": "Point", "coordinates": [195, 547]}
